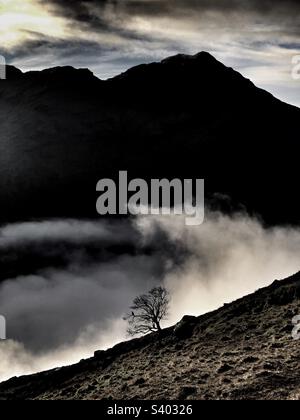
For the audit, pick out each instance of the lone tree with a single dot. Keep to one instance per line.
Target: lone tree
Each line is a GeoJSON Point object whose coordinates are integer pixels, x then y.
{"type": "Point", "coordinates": [148, 311]}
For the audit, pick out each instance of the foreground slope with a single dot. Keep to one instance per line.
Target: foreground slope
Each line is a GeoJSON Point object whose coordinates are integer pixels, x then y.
{"type": "Point", "coordinates": [62, 129]}
{"type": "Point", "coordinates": [241, 351]}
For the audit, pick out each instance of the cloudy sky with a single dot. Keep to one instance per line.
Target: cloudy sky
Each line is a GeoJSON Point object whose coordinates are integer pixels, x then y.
{"type": "Point", "coordinates": [257, 37]}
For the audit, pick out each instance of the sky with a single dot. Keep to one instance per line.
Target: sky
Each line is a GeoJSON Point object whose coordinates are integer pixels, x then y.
{"type": "Point", "coordinates": [259, 38]}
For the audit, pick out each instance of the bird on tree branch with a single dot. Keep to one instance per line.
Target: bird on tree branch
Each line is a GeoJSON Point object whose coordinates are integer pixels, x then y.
{"type": "Point", "coordinates": [148, 311]}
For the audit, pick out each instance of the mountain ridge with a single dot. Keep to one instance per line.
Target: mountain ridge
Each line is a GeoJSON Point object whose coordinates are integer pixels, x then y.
{"type": "Point", "coordinates": [203, 58]}
{"type": "Point", "coordinates": [191, 115]}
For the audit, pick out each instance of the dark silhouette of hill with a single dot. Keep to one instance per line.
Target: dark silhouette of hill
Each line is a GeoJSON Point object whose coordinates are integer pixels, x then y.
{"type": "Point", "coordinates": [244, 350]}
{"type": "Point", "coordinates": [63, 129]}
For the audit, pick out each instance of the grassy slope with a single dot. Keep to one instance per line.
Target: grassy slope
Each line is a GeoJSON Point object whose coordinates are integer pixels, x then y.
{"type": "Point", "coordinates": [241, 351]}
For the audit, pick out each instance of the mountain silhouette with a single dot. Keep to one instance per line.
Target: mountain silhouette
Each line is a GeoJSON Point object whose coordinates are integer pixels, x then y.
{"type": "Point", "coordinates": [63, 129]}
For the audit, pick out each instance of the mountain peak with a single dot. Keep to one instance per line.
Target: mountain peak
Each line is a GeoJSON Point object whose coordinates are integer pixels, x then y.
{"type": "Point", "coordinates": [190, 69]}
{"type": "Point", "coordinates": [178, 75]}
{"type": "Point", "coordinates": [13, 73]}
{"type": "Point", "coordinates": [203, 57]}
{"type": "Point", "coordinates": [66, 74]}
{"type": "Point", "coordinates": [67, 71]}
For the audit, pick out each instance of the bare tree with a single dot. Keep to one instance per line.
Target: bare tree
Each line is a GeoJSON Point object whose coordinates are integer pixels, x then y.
{"type": "Point", "coordinates": [148, 311]}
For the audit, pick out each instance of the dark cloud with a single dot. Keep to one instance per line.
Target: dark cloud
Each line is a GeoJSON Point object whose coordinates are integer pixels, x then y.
{"type": "Point", "coordinates": [84, 11]}
{"type": "Point", "coordinates": [58, 48]}
{"type": "Point", "coordinates": [79, 7]}
{"type": "Point", "coordinates": [116, 18]}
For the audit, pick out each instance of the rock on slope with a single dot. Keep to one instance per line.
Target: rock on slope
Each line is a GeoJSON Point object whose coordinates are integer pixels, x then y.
{"type": "Point", "coordinates": [241, 351]}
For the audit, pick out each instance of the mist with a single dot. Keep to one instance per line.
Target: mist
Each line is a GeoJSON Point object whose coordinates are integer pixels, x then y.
{"type": "Point", "coordinates": [60, 313]}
